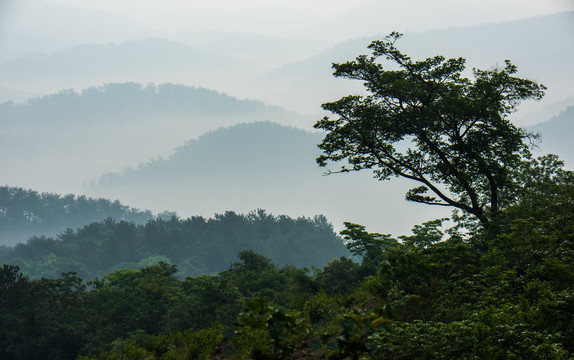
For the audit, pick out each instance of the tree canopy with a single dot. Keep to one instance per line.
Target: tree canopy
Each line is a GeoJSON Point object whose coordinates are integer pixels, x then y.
{"type": "Point", "coordinates": [424, 121]}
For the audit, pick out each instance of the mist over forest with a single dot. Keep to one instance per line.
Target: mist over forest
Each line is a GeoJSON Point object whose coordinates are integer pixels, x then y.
{"type": "Point", "coordinates": [232, 181]}
{"type": "Point", "coordinates": [149, 114]}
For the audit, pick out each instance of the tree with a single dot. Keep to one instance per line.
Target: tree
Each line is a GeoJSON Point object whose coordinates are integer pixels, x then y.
{"type": "Point", "coordinates": [370, 246]}
{"type": "Point", "coordinates": [424, 121]}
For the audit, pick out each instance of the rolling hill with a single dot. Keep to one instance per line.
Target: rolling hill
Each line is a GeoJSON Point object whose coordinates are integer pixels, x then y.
{"type": "Point", "coordinates": [57, 142]}
{"type": "Point", "coordinates": [262, 165]}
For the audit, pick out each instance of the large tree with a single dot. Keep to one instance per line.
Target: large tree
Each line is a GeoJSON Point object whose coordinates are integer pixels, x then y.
{"type": "Point", "coordinates": [424, 121]}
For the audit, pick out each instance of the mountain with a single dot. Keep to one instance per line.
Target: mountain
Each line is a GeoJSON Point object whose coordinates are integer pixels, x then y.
{"type": "Point", "coordinates": [57, 142]}
{"type": "Point", "coordinates": [262, 165]}
{"type": "Point", "coordinates": [148, 60]}
{"type": "Point", "coordinates": [32, 26]}
{"type": "Point", "coordinates": [381, 17]}
{"type": "Point", "coordinates": [126, 103]}
{"type": "Point", "coordinates": [541, 47]}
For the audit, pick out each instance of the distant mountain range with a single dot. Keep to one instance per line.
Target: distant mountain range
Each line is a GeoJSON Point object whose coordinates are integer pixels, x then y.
{"type": "Point", "coordinates": [55, 143]}
{"type": "Point", "coordinates": [148, 60]}
{"type": "Point", "coordinates": [38, 26]}
{"type": "Point", "coordinates": [60, 141]}
{"type": "Point", "coordinates": [127, 103]}
{"type": "Point", "coordinates": [542, 48]}
{"type": "Point", "coordinates": [414, 16]}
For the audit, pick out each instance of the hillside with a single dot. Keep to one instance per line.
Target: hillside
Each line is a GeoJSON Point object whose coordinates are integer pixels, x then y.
{"type": "Point", "coordinates": [58, 142]}
{"type": "Point", "coordinates": [261, 165]}
{"type": "Point", "coordinates": [145, 60]}
{"type": "Point", "coordinates": [459, 295]}
{"type": "Point", "coordinates": [126, 103]}
{"type": "Point", "coordinates": [197, 245]}
{"type": "Point", "coordinates": [24, 213]}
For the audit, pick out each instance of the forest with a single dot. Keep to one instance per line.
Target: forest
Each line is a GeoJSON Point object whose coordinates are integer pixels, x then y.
{"type": "Point", "coordinates": [197, 245]}
{"type": "Point", "coordinates": [470, 296]}
{"type": "Point", "coordinates": [494, 281]}
{"type": "Point", "coordinates": [26, 213]}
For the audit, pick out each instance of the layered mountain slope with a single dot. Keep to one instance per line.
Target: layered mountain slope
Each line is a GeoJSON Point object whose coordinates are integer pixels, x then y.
{"type": "Point", "coordinates": [542, 48]}
{"type": "Point", "coordinates": [57, 142]}
{"type": "Point", "coordinates": [146, 60]}
{"type": "Point", "coordinates": [263, 165]}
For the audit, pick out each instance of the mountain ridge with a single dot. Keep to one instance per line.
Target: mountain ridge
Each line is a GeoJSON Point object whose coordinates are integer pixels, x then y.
{"type": "Point", "coordinates": [553, 34]}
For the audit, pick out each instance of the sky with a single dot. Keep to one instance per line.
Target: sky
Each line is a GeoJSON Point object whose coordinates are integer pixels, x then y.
{"type": "Point", "coordinates": [252, 16]}
{"type": "Point", "coordinates": [264, 17]}
{"type": "Point", "coordinates": [295, 17]}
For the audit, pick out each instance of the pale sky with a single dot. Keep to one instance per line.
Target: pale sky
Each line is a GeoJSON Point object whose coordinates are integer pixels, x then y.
{"type": "Point", "coordinates": [281, 18]}
{"type": "Point", "coordinates": [275, 18]}
{"type": "Point", "coordinates": [252, 16]}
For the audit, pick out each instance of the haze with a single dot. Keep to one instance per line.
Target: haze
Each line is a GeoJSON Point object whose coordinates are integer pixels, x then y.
{"type": "Point", "coordinates": [273, 55]}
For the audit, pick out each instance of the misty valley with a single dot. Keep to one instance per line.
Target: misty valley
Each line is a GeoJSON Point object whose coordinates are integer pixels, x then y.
{"type": "Point", "coordinates": [196, 196]}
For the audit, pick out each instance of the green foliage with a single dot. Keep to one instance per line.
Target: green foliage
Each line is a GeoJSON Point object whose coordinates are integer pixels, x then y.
{"type": "Point", "coordinates": [262, 319]}
{"type": "Point", "coordinates": [428, 123]}
{"type": "Point", "coordinates": [370, 246]}
{"type": "Point", "coordinates": [360, 331]}
{"type": "Point", "coordinates": [198, 245]}
{"type": "Point", "coordinates": [426, 234]}
{"type": "Point", "coordinates": [190, 344]}
{"type": "Point", "coordinates": [27, 214]}
{"type": "Point", "coordinates": [506, 294]}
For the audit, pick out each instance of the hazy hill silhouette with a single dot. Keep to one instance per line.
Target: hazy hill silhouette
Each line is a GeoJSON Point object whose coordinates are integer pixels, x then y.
{"type": "Point", "coordinates": [146, 60]}
{"type": "Point", "coordinates": [34, 26]}
{"type": "Point", "coordinates": [126, 103]}
{"type": "Point", "coordinates": [542, 48]}
{"type": "Point", "coordinates": [262, 165]}
{"type": "Point", "coordinates": [242, 154]}
{"type": "Point", "coordinates": [556, 136]}
{"type": "Point", "coordinates": [55, 143]}
{"type": "Point", "coordinates": [375, 16]}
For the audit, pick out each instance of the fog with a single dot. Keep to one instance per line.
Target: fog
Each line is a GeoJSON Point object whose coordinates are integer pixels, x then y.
{"type": "Point", "coordinates": [248, 61]}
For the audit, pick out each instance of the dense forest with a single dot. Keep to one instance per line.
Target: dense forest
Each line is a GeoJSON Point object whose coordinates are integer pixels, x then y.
{"type": "Point", "coordinates": [431, 295]}
{"type": "Point", "coordinates": [495, 281]}
{"type": "Point", "coordinates": [197, 245]}
{"type": "Point", "coordinates": [25, 213]}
